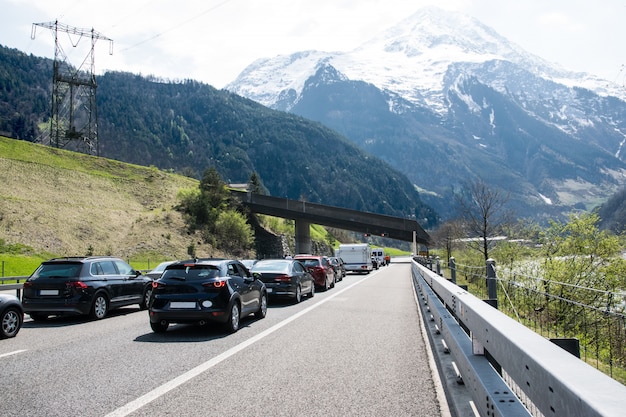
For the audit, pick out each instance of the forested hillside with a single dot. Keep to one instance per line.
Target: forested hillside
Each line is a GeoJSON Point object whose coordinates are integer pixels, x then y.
{"type": "Point", "coordinates": [188, 126]}
{"type": "Point", "coordinates": [613, 213]}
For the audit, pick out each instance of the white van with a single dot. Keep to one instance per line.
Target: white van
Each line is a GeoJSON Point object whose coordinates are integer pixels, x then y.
{"type": "Point", "coordinates": [378, 256]}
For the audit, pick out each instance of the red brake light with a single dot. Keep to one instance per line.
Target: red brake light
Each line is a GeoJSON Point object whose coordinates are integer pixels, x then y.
{"type": "Point", "coordinates": [283, 278]}
{"type": "Point", "coordinates": [76, 284]}
{"type": "Point", "coordinates": [215, 284]}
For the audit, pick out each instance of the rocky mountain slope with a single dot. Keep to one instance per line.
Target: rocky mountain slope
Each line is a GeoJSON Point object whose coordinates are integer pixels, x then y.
{"type": "Point", "coordinates": [445, 99]}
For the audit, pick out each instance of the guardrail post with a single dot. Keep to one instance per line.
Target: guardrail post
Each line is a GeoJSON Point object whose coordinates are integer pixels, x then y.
{"type": "Point", "coordinates": [452, 266]}
{"type": "Point", "coordinates": [492, 289]}
{"type": "Point", "coordinates": [438, 266]}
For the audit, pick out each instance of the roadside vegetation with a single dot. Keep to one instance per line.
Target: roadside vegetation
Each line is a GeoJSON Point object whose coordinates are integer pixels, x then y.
{"type": "Point", "coordinates": [564, 280]}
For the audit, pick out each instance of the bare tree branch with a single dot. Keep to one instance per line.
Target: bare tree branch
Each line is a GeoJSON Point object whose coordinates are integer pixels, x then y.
{"type": "Point", "coordinates": [482, 209]}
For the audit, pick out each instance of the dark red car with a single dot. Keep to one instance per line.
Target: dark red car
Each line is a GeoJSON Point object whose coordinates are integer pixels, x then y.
{"type": "Point", "coordinates": [321, 269]}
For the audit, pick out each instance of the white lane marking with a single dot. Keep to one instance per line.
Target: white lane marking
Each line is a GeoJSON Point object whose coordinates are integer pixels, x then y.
{"type": "Point", "coordinates": [12, 353]}
{"type": "Point", "coordinates": [176, 382]}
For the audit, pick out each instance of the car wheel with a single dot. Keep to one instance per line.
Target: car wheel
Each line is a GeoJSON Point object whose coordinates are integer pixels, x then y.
{"type": "Point", "coordinates": [312, 293]}
{"type": "Point", "coordinates": [160, 326]}
{"type": "Point", "coordinates": [232, 325]}
{"type": "Point", "coordinates": [262, 311]}
{"type": "Point", "coordinates": [10, 322]}
{"type": "Point", "coordinates": [146, 298]}
{"type": "Point", "coordinates": [332, 284]}
{"type": "Point", "coordinates": [38, 316]}
{"type": "Point", "coordinates": [298, 297]}
{"type": "Point", "coordinates": [100, 307]}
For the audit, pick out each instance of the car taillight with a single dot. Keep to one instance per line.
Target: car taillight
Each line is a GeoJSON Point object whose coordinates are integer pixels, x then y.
{"type": "Point", "coordinates": [76, 284]}
{"type": "Point", "coordinates": [283, 278]}
{"type": "Point", "coordinates": [215, 284]}
{"type": "Point", "coordinates": [156, 284]}
{"type": "Point", "coordinates": [28, 284]}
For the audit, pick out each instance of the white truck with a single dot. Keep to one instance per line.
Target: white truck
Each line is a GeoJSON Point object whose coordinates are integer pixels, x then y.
{"type": "Point", "coordinates": [356, 256]}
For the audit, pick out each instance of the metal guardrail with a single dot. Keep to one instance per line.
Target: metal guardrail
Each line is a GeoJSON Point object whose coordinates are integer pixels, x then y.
{"type": "Point", "coordinates": [541, 378]}
{"type": "Point", "coordinates": [17, 287]}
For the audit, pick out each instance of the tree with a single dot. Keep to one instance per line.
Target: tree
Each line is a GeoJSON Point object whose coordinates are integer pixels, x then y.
{"type": "Point", "coordinates": [234, 235]}
{"type": "Point", "coordinates": [255, 185]}
{"type": "Point", "coordinates": [447, 234]}
{"type": "Point", "coordinates": [203, 206]}
{"type": "Point", "coordinates": [482, 210]}
{"type": "Point", "coordinates": [583, 266]}
{"type": "Point", "coordinates": [213, 189]}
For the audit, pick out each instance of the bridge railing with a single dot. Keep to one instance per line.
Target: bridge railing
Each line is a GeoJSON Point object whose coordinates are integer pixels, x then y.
{"type": "Point", "coordinates": [509, 369]}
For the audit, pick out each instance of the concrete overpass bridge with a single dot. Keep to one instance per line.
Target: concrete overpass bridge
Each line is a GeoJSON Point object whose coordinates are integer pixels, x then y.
{"type": "Point", "coordinates": [304, 214]}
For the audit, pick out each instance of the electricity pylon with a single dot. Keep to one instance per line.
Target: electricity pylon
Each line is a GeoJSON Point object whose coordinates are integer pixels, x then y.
{"type": "Point", "coordinates": [74, 118]}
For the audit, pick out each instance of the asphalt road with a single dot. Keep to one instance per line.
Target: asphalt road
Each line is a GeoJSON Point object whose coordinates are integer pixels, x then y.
{"type": "Point", "coordinates": [355, 350]}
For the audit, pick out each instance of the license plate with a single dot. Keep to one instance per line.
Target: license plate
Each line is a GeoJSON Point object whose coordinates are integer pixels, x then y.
{"type": "Point", "coordinates": [48, 292]}
{"type": "Point", "coordinates": [269, 290]}
{"type": "Point", "coordinates": [182, 304]}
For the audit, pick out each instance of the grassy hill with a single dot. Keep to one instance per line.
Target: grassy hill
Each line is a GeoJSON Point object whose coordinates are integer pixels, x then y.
{"type": "Point", "coordinates": [64, 203]}
{"type": "Point", "coordinates": [187, 127]}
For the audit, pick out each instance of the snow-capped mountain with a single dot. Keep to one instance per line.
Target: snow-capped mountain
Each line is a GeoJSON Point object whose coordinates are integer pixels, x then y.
{"type": "Point", "coordinates": [444, 98]}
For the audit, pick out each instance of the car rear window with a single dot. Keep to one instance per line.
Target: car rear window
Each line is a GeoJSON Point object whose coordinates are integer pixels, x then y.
{"type": "Point", "coordinates": [278, 266]}
{"type": "Point", "coordinates": [191, 273]}
{"type": "Point", "coordinates": [310, 262]}
{"type": "Point", "coordinates": [58, 270]}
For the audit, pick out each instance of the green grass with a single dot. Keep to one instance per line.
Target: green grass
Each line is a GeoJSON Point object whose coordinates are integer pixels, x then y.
{"type": "Point", "coordinates": [396, 252]}
{"type": "Point", "coordinates": [62, 203]}
{"type": "Point", "coordinates": [19, 265]}
{"type": "Point", "coordinates": [18, 150]}
{"type": "Point", "coordinates": [23, 266]}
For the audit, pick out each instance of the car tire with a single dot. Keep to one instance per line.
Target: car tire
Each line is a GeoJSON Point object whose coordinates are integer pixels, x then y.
{"type": "Point", "coordinates": [10, 323]}
{"type": "Point", "coordinates": [298, 297]}
{"type": "Point", "coordinates": [145, 302]}
{"type": "Point", "coordinates": [99, 307]}
{"type": "Point", "coordinates": [232, 324]}
{"type": "Point", "coordinates": [160, 326]}
{"type": "Point", "coordinates": [38, 316]}
{"type": "Point", "coordinates": [262, 311]}
{"type": "Point", "coordinates": [312, 292]}
{"type": "Point", "coordinates": [332, 284]}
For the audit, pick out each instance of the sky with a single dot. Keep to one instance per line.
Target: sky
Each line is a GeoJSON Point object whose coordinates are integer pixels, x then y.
{"type": "Point", "coordinates": [214, 40]}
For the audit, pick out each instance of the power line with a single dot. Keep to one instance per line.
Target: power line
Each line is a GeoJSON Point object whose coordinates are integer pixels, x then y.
{"type": "Point", "coordinates": [210, 9]}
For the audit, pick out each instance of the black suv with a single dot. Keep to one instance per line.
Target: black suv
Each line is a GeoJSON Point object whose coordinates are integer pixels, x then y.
{"type": "Point", "coordinates": [84, 285]}
{"type": "Point", "coordinates": [206, 290]}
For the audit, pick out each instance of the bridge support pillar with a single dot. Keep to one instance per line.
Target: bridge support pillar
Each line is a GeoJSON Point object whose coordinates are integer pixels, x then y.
{"type": "Point", "coordinates": [303, 236]}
